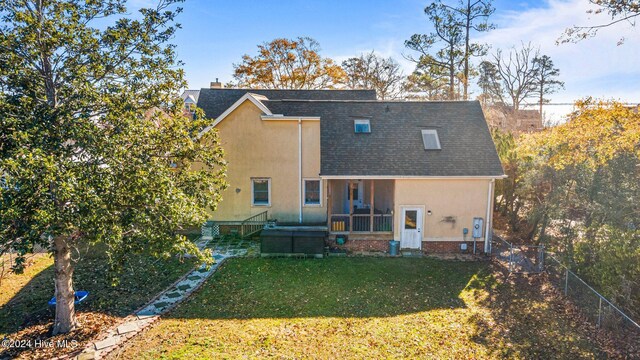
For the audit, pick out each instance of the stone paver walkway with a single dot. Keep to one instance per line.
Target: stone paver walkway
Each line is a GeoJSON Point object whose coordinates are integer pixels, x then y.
{"type": "Point", "coordinates": [222, 249]}
{"type": "Point", "coordinates": [234, 246]}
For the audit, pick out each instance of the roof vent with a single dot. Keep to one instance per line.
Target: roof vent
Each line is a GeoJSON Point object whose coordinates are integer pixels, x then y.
{"type": "Point", "coordinates": [216, 85]}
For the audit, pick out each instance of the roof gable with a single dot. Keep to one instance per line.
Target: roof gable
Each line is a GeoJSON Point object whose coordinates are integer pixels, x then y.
{"type": "Point", "coordinates": [253, 98]}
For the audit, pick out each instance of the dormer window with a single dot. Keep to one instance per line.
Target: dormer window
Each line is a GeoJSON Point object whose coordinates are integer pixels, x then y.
{"type": "Point", "coordinates": [431, 140]}
{"type": "Point", "coordinates": [362, 126]}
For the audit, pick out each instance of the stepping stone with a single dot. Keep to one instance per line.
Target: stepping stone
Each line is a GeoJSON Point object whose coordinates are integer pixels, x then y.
{"type": "Point", "coordinates": [194, 277]}
{"type": "Point", "coordinates": [146, 314]}
{"type": "Point", "coordinates": [161, 304]}
{"type": "Point", "coordinates": [173, 295]}
{"type": "Point", "coordinates": [128, 327]}
{"type": "Point", "coordinates": [184, 287]}
{"type": "Point", "coordinates": [202, 270]}
{"type": "Point", "coordinates": [108, 342]}
{"type": "Point", "coordinates": [87, 354]}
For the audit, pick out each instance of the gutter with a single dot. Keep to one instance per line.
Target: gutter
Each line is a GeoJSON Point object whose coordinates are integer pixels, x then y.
{"type": "Point", "coordinates": [414, 177]}
{"type": "Point", "coordinates": [300, 170]}
{"type": "Point", "coordinates": [488, 219]}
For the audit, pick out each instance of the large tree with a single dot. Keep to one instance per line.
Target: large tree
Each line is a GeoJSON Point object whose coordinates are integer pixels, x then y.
{"type": "Point", "coordinates": [547, 79]}
{"type": "Point", "coordinates": [582, 179]}
{"type": "Point", "coordinates": [427, 81]}
{"type": "Point", "coordinates": [473, 15]}
{"type": "Point", "coordinates": [440, 49]}
{"type": "Point", "coordinates": [516, 75]}
{"type": "Point", "coordinates": [490, 86]}
{"type": "Point", "coordinates": [93, 141]}
{"type": "Point", "coordinates": [288, 64]}
{"type": "Point", "coordinates": [370, 71]}
{"type": "Point", "coordinates": [449, 46]}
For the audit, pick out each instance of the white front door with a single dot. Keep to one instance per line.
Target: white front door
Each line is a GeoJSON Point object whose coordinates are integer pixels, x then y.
{"type": "Point", "coordinates": [411, 230]}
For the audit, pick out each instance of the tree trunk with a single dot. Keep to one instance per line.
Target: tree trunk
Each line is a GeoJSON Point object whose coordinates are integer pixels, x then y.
{"type": "Point", "coordinates": [543, 230]}
{"type": "Point", "coordinates": [466, 52]}
{"type": "Point", "coordinates": [65, 309]}
{"type": "Point", "coordinates": [541, 99]}
{"type": "Point", "coordinates": [452, 75]}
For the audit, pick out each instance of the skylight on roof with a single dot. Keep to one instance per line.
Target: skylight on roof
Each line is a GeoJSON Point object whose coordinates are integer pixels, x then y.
{"type": "Point", "coordinates": [362, 126]}
{"type": "Point", "coordinates": [431, 140]}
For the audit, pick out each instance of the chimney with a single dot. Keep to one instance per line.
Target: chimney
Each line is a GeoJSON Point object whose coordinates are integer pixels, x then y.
{"type": "Point", "coordinates": [216, 85]}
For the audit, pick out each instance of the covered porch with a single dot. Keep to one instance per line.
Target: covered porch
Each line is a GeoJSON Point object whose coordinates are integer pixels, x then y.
{"type": "Point", "coordinates": [362, 206]}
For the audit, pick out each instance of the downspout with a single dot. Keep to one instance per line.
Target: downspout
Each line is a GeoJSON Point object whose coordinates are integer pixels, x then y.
{"type": "Point", "coordinates": [300, 170]}
{"type": "Point", "coordinates": [488, 220]}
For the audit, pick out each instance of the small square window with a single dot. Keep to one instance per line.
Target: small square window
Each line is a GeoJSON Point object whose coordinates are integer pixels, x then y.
{"type": "Point", "coordinates": [312, 192]}
{"type": "Point", "coordinates": [362, 126]}
{"type": "Point", "coordinates": [431, 140]}
{"type": "Point", "coordinates": [261, 192]}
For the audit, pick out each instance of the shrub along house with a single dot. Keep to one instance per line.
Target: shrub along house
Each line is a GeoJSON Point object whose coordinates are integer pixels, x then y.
{"type": "Point", "coordinates": [366, 170]}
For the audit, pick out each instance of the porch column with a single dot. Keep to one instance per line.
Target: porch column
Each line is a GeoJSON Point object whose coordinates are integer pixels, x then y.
{"type": "Point", "coordinates": [329, 204]}
{"type": "Point", "coordinates": [371, 189]}
{"type": "Point", "coordinates": [350, 195]}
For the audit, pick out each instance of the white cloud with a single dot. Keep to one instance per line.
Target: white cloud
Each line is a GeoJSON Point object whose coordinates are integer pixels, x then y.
{"type": "Point", "coordinates": [592, 67]}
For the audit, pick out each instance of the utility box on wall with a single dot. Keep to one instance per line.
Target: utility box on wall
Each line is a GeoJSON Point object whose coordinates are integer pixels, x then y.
{"type": "Point", "coordinates": [477, 228]}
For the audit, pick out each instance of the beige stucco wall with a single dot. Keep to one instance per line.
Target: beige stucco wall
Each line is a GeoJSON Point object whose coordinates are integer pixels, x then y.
{"type": "Point", "coordinates": [463, 199]}
{"type": "Point", "coordinates": [266, 148]}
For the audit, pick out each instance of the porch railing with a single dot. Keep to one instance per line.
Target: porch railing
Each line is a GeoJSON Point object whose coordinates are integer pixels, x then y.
{"type": "Point", "coordinates": [341, 223]}
{"type": "Point", "coordinates": [253, 224]}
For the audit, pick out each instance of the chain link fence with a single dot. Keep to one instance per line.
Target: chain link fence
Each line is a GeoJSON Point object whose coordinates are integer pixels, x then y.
{"type": "Point", "coordinates": [598, 310]}
{"type": "Point", "coordinates": [593, 305]}
{"type": "Point", "coordinates": [518, 258]}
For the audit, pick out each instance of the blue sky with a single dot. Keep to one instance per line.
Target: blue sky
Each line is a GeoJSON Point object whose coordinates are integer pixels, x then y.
{"type": "Point", "coordinates": [217, 33]}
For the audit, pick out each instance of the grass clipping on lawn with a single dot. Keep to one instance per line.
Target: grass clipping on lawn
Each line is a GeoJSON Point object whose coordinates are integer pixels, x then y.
{"type": "Point", "coordinates": [368, 308]}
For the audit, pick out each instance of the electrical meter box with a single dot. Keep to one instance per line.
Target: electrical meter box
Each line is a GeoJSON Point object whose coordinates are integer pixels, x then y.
{"type": "Point", "coordinates": [477, 228]}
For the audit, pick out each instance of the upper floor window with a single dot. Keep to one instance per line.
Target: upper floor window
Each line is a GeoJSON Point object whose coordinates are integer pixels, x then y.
{"type": "Point", "coordinates": [362, 126]}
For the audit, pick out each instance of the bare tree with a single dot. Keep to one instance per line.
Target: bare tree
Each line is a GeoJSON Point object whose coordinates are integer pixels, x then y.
{"type": "Point", "coordinates": [518, 75]}
{"type": "Point", "coordinates": [370, 71]}
{"type": "Point", "coordinates": [618, 10]}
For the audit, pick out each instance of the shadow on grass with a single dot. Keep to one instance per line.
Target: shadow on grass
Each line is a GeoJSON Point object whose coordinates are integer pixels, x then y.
{"type": "Point", "coordinates": [330, 287]}
{"type": "Point", "coordinates": [27, 316]}
{"type": "Point", "coordinates": [527, 319]}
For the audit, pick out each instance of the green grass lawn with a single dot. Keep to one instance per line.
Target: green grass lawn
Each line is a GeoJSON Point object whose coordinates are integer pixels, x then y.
{"type": "Point", "coordinates": [24, 313]}
{"type": "Point", "coordinates": [363, 308]}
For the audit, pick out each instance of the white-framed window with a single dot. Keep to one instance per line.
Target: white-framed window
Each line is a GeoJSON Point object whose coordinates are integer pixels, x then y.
{"type": "Point", "coordinates": [312, 189]}
{"type": "Point", "coordinates": [430, 139]}
{"type": "Point", "coordinates": [261, 191]}
{"type": "Point", "coordinates": [362, 126]}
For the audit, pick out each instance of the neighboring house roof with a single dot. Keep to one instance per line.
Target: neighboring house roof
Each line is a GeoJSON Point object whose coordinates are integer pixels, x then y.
{"type": "Point", "coordinates": [395, 146]}
{"type": "Point", "coordinates": [506, 119]}
{"type": "Point", "coordinates": [214, 102]}
{"type": "Point", "coordinates": [191, 96]}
